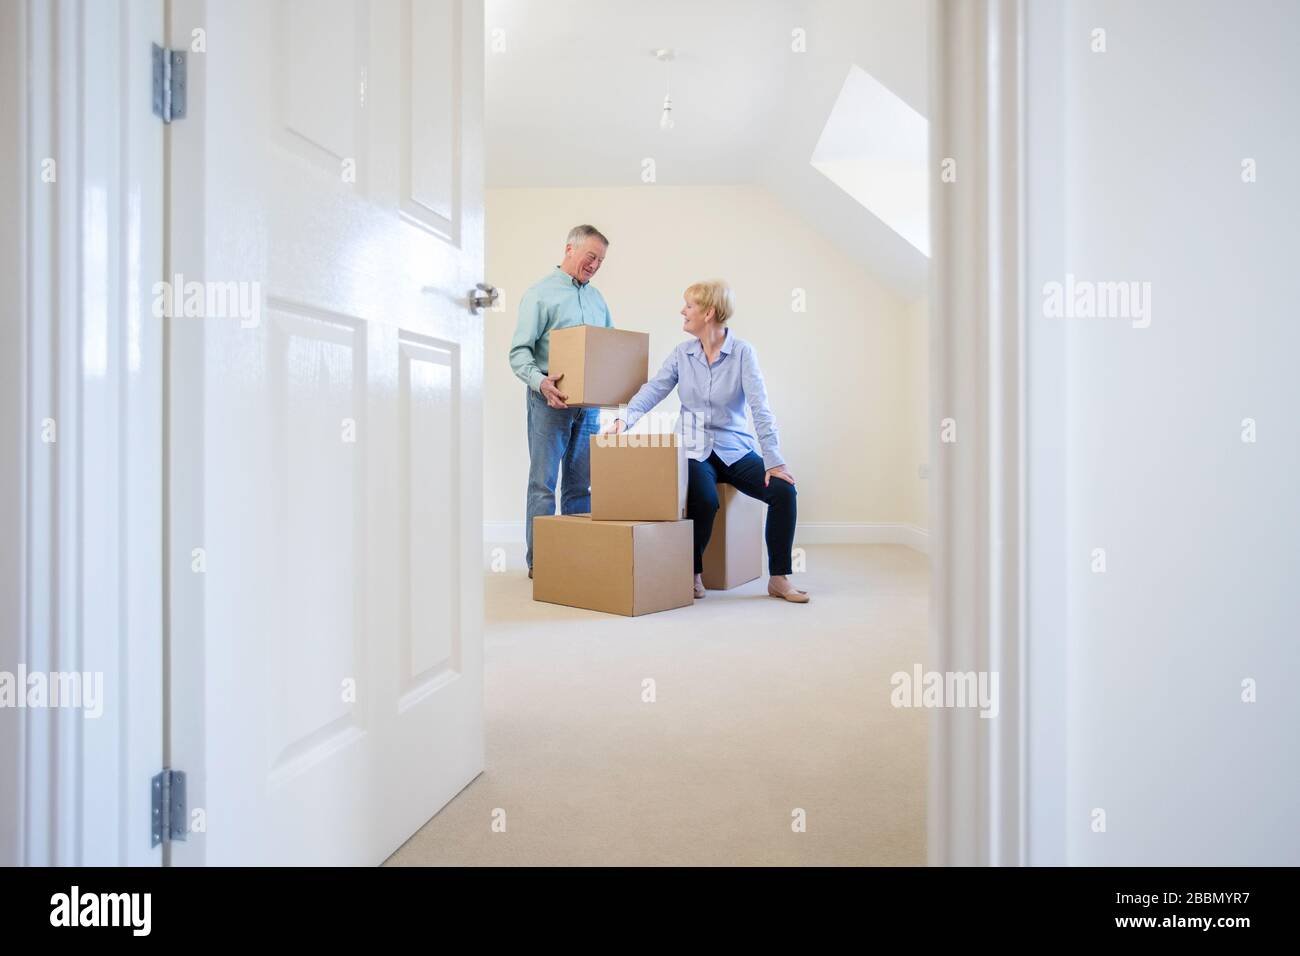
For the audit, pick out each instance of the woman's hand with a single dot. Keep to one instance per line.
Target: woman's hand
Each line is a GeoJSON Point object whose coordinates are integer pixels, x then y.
{"type": "Point", "coordinates": [778, 472]}
{"type": "Point", "coordinates": [613, 428]}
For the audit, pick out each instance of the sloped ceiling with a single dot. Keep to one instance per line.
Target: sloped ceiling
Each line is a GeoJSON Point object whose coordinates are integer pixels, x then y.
{"type": "Point", "coordinates": [574, 93]}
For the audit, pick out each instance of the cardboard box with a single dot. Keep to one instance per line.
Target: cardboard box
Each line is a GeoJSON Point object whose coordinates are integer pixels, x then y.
{"type": "Point", "coordinates": [602, 368]}
{"type": "Point", "coordinates": [622, 567]}
{"type": "Point", "coordinates": [638, 477]}
{"type": "Point", "coordinates": [734, 555]}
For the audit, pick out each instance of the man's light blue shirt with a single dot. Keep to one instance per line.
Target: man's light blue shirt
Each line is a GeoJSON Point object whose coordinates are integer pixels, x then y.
{"type": "Point", "coordinates": [714, 399]}
{"type": "Point", "coordinates": [556, 302]}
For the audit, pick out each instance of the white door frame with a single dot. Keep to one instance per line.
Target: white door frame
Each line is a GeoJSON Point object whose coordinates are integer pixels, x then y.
{"type": "Point", "coordinates": [80, 426]}
{"type": "Point", "coordinates": [976, 540]}
{"type": "Point", "coordinates": [982, 349]}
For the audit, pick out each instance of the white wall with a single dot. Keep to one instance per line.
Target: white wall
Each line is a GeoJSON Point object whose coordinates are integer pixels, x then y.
{"type": "Point", "coordinates": [837, 374]}
{"type": "Point", "coordinates": [1201, 531]}
{"type": "Point", "coordinates": [920, 425]}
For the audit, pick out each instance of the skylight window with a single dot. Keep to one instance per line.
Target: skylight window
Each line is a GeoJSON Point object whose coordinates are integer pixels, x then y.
{"type": "Point", "coordinates": [875, 147]}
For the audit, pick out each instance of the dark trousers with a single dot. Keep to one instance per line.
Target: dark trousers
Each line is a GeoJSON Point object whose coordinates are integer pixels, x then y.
{"type": "Point", "coordinates": [746, 476]}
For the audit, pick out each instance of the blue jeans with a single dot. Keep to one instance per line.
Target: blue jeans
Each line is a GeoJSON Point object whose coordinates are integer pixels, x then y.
{"type": "Point", "coordinates": [558, 436]}
{"type": "Point", "coordinates": [746, 476]}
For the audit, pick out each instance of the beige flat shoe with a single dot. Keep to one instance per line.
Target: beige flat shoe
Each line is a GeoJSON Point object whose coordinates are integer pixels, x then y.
{"type": "Point", "coordinates": [699, 587]}
{"type": "Point", "coordinates": [791, 593]}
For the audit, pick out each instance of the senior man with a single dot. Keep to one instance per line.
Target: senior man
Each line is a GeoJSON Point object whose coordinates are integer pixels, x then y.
{"type": "Point", "coordinates": [558, 436]}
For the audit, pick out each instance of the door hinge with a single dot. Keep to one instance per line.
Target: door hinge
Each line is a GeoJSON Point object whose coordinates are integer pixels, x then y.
{"type": "Point", "coordinates": [169, 83]}
{"type": "Point", "coordinates": [170, 817]}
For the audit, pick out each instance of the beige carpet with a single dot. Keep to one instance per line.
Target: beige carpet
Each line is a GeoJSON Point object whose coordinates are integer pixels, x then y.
{"type": "Point", "coordinates": [762, 707]}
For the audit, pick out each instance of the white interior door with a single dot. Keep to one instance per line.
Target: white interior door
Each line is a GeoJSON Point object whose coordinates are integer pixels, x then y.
{"type": "Point", "coordinates": [325, 652]}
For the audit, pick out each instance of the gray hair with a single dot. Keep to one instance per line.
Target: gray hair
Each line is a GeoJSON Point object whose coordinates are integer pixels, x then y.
{"type": "Point", "coordinates": [579, 233]}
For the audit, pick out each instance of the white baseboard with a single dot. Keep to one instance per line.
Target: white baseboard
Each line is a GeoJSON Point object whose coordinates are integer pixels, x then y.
{"type": "Point", "coordinates": [918, 539]}
{"type": "Point", "coordinates": [856, 532]}
{"type": "Point", "coordinates": [816, 532]}
{"type": "Point", "coordinates": [503, 532]}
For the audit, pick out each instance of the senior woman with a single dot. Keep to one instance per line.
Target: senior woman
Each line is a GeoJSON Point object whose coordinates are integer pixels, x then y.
{"type": "Point", "coordinates": [717, 375]}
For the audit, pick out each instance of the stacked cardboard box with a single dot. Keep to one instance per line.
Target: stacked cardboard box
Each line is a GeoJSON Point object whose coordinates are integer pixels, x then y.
{"type": "Point", "coordinates": [638, 477]}
{"type": "Point", "coordinates": [623, 567]}
{"type": "Point", "coordinates": [633, 554]}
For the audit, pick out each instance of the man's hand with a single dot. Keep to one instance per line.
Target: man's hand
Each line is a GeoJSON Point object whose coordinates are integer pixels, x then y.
{"type": "Point", "coordinates": [613, 428]}
{"type": "Point", "coordinates": [777, 472]}
{"type": "Point", "coordinates": [554, 397]}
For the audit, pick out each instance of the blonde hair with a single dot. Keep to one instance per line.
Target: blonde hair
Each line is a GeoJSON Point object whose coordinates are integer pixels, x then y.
{"type": "Point", "coordinates": [716, 295]}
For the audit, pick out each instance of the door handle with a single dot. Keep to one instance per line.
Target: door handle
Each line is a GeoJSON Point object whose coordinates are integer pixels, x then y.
{"type": "Point", "coordinates": [483, 296]}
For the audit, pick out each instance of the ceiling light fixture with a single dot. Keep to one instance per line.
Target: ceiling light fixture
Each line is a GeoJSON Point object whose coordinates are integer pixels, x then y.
{"type": "Point", "coordinates": [666, 117]}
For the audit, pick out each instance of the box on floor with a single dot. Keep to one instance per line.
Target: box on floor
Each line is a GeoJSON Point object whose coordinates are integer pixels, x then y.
{"type": "Point", "coordinates": [621, 567]}
{"type": "Point", "coordinates": [734, 555]}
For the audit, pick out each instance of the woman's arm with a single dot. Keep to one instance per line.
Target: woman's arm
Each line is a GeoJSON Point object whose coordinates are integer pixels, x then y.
{"type": "Point", "coordinates": [654, 391]}
{"type": "Point", "coordinates": [751, 380]}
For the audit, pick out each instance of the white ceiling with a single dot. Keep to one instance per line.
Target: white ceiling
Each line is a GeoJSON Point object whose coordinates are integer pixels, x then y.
{"type": "Point", "coordinates": [574, 100]}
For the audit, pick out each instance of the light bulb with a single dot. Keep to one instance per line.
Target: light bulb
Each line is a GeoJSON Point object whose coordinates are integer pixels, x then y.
{"type": "Point", "coordinates": [666, 118]}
